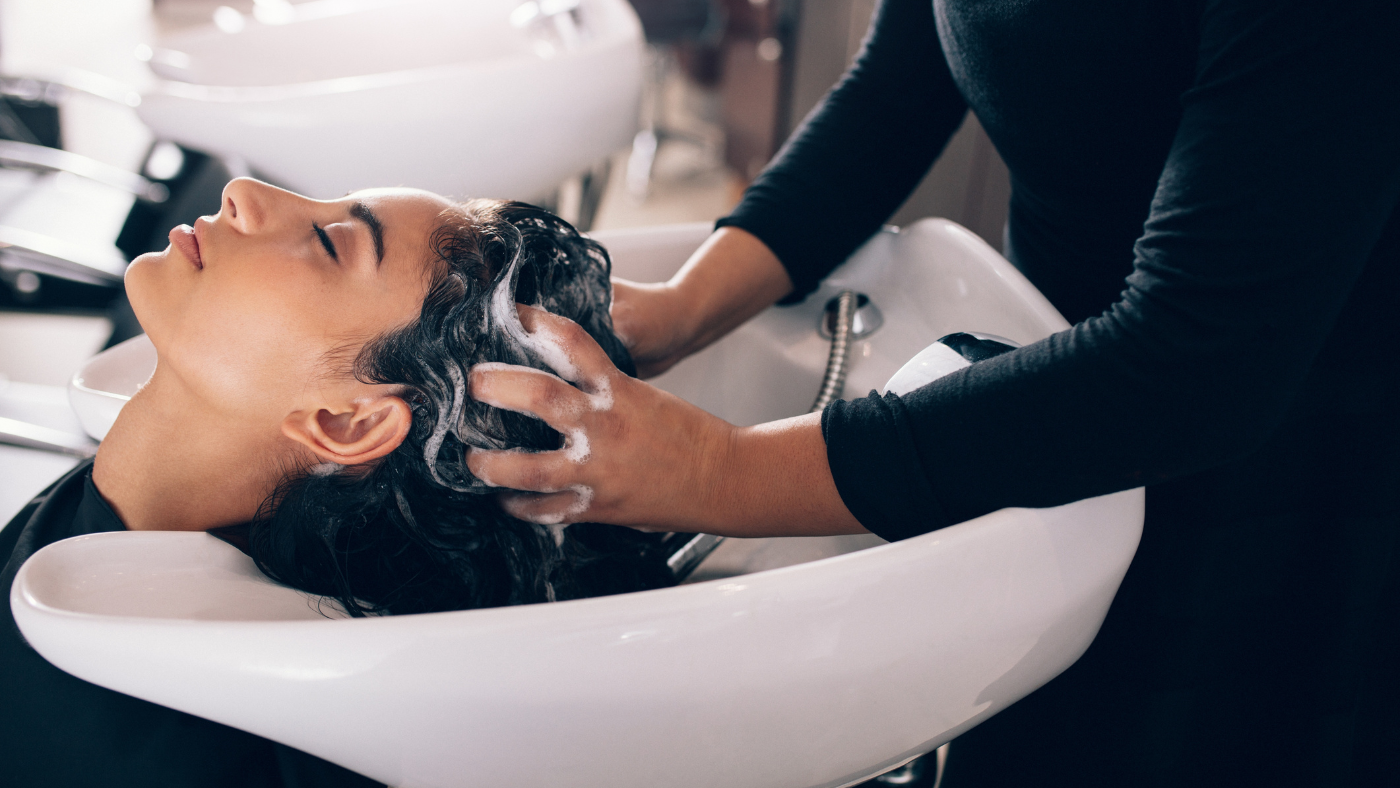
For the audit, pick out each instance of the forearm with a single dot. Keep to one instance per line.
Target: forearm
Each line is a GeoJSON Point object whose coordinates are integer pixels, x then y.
{"type": "Point", "coordinates": [842, 174]}
{"type": "Point", "coordinates": [730, 278]}
{"type": "Point", "coordinates": [775, 481]}
{"type": "Point", "coordinates": [861, 152]}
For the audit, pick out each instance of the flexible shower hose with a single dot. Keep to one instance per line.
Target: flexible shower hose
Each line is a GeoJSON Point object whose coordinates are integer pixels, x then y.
{"type": "Point", "coordinates": [834, 381]}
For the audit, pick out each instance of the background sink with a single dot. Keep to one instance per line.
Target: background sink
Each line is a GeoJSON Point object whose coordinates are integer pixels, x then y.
{"type": "Point", "coordinates": [468, 99]}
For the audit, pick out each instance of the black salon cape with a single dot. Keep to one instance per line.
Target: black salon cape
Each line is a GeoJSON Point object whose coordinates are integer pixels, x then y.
{"type": "Point", "coordinates": [57, 731]}
{"type": "Point", "coordinates": [1207, 189]}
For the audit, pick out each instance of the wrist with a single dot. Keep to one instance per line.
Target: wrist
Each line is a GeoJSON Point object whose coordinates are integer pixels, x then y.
{"type": "Point", "coordinates": [773, 480]}
{"type": "Point", "coordinates": [687, 308]}
{"type": "Point", "coordinates": [719, 477]}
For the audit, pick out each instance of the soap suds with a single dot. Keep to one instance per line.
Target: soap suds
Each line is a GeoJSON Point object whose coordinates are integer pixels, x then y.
{"type": "Point", "coordinates": [448, 418]}
{"type": "Point", "coordinates": [583, 499]}
{"type": "Point", "coordinates": [602, 399]}
{"type": "Point", "coordinates": [325, 468]}
{"type": "Point", "coordinates": [550, 349]}
{"type": "Point", "coordinates": [576, 447]}
{"type": "Point", "coordinates": [542, 344]}
{"type": "Point", "coordinates": [557, 531]}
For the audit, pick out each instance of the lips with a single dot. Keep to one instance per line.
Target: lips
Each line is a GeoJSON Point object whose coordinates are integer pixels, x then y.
{"type": "Point", "coordinates": [186, 242]}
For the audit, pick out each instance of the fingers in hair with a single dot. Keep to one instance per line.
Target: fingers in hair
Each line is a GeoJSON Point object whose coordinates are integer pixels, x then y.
{"type": "Point", "coordinates": [567, 506]}
{"type": "Point", "coordinates": [529, 391]}
{"type": "Point", "coordinates": [590, 366]}
{"type": "Point", "coordinates": [542, 471]}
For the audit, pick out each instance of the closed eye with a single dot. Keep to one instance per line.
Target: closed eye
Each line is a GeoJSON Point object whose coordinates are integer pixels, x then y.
{"type": "Point", "coordinates": [326, 241]}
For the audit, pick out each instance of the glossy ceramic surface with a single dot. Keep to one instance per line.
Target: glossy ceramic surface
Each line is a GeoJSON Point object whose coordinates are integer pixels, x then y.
{"type": "Point", "coordinates": [488, 98]}
{"type": "Point", "coordinates": [104, 384]}
{"type": "Point", "coordinates": [928, 280]}
{"type": "Point", "coordinates": [819, 674]}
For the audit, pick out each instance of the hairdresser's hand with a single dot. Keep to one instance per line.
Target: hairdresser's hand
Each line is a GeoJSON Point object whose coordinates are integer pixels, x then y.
{"type": "Point", "coordinates": [648, 318]}
{"type": "Point", "coordinates": [638, 456]}
{"type": "Point", "coordinates": [730, 278]}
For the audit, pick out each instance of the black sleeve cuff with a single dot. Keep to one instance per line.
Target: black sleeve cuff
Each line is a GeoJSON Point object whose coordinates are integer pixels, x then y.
{"type": "Point", "coordinates": [877, 468]}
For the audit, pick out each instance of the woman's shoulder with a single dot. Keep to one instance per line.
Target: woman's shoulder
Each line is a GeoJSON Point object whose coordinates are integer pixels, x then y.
{"type": "Point", "coordinates": [49, 517]}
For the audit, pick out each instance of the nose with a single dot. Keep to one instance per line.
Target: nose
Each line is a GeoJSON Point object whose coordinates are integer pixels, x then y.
{"type": "Point", "coordinates": [249, 205]}
{"type": "Point", "coordinates": [240, 206]}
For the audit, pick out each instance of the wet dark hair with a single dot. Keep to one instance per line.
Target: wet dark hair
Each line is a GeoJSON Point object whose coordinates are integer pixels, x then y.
{"type": "Point", "coordinates": [416, 532]}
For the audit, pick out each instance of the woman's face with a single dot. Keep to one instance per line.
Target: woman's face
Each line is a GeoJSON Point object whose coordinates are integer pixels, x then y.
{"type": "Point", "coordinates": [250, 307]}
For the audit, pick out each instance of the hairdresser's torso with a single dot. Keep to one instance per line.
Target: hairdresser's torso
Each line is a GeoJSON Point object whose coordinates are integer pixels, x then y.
{"type": "Point", "coordinates": [1241, 638]}
{"type": "Point", "coordinates": [1082, 102]}
{"type": "Point", "coordinates": [1087, 105]}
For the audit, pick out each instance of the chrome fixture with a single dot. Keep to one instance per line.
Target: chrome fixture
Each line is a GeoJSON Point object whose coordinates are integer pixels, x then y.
{"type": "Point", "coordinates": [866, 320]}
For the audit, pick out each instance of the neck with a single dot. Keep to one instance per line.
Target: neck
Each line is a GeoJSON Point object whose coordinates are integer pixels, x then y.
{"type": "Point", "coordinates": [169, 464]}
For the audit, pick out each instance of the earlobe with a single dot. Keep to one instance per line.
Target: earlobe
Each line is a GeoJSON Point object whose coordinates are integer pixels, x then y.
{"type": "Point", "coordinates": [354, 433]}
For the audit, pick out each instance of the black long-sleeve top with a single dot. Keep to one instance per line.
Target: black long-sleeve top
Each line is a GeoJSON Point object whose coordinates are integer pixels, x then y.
{"type": "Point", "coordinates": [58, 731]}
{"type": "Point", "coordinates": [1207, 189]}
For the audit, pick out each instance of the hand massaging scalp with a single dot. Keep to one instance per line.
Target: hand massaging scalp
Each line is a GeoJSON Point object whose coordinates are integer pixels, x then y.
{"type": "Point", "coordinates": [420, 513]}
{"type": "Point", "coordinates": [547, 347]}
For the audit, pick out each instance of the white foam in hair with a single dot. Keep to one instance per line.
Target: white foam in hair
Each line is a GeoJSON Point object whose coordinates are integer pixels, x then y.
{"type": "Point", "coordinates": [447, 419]}
{"type": "Point", "coordinates": [544, 347]}
{"type": "Point", "coordinates": [541, 350]}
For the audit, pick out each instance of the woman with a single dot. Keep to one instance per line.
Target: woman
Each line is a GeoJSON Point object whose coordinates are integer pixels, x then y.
{"type": "Point", "coordinates": [1208, 190]}
{"type": "Point", "coordinates": [309, 404]}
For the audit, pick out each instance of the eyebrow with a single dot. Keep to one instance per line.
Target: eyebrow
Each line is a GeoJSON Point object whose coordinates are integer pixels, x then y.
{"type": "Point", "coordinates": [361, 211]}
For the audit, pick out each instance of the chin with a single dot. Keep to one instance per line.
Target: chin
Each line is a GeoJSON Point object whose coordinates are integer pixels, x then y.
{"type": "Point", "coordinates": [144, 286]}
{"type": "Point", "coordinates": [142, 266]}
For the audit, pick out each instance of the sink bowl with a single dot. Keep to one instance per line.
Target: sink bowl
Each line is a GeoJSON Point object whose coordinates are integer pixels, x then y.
{"type": "Point", "coordinates": [99, 389]}
{"type": "Point", "coordinates": [488, 98]}
{"type": "Point", "coordinates": [819, 674]}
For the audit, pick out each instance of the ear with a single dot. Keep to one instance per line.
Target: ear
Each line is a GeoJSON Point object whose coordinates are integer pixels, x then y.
{"type": "Point", "coordinates": [352, 433]}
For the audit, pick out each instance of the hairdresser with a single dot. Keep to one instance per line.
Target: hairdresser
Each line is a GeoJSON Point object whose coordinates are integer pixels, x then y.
{"type": "Point", "coordinates": [1207, 191]}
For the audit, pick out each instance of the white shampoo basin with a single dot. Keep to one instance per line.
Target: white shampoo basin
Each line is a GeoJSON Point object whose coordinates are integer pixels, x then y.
{"type": "Point", "coordinates": [483, 98]}
{"type": "Point", "coordinates": [817, 674]}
